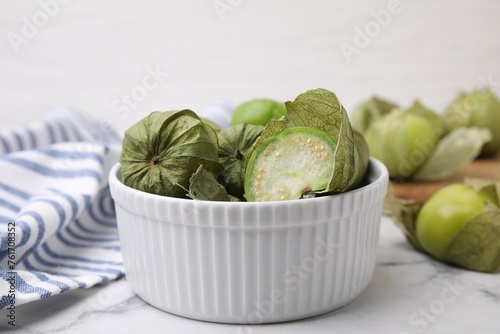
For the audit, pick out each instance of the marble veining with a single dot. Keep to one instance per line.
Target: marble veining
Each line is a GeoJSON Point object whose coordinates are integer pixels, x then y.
{"type": "Point", "coordinates": [409, 293]}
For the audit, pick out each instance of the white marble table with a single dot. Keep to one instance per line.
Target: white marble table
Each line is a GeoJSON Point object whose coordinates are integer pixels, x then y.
{"type": "Point", "coordinates": [409, 293]}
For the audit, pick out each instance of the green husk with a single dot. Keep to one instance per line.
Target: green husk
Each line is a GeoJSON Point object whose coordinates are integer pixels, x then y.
{"type": "Point", "coordinates": [212, 124]}
{"type": "Point", "coordinates": [403, 140]}
{"type": "Point", "coordinates": [419, 109]}
{"type": "Point", "coordinates": [163, 150]}
{"type": "Point", "coordinates": [204, 186]}
{"type": "Point", "coordinates": [480, 108]}
{"type": "Point", "coordinates": [369, 111]}
{"type": "Point", "coordinates": [361, 159]}
{"type": "Point", "coordinates": [413, 145]}
{"type": "Point", "coordinates": [458, 149]}
{"type": "Point", "coordinates": [476, 247]}
{"type": "Point", "coordinates": [404, 214]}
{"type": "Point", "coordinates": [234, 144]}
{"type": "Point", "coordinates": [321, 109]}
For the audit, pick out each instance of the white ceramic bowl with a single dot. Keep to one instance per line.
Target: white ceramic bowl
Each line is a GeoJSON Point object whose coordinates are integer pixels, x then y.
{"type": "Point", "coordinates": [250, 262]}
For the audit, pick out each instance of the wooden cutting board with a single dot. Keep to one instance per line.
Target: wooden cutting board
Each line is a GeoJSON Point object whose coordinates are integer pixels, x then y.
{"type": "Point", "coordinates": [485, 168]}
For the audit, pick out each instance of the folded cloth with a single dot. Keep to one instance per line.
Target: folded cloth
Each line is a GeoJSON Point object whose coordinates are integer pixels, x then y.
{"type": "Point", "coordinates": [57, 220]}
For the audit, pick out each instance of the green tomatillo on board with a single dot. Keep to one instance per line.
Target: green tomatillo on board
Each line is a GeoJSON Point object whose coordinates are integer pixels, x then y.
{"type": "Point", "coordinates": [480, 109]}
{"type": "Point", "coordinates": [413, 144]}
{"type": "Point", "coordinates": [443, 216]}
{"type": "Point", "coordinates": [403, 141]}
{"type": "Point", "coordinates": [459, 224]}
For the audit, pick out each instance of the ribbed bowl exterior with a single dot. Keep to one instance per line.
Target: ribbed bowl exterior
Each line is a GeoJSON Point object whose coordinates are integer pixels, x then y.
{"type": "Point", "coordinates": [250, 262]}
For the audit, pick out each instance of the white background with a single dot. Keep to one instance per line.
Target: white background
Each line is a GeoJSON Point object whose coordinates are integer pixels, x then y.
{"type": "Point", "coordinates": [91, 52]}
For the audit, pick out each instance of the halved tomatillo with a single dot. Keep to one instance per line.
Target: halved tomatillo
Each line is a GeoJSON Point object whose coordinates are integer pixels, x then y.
{"type": "Point", "coordinates": [287, 166]}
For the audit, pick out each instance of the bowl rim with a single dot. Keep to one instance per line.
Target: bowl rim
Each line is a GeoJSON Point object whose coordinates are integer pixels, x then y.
{"type": "Point", "coordinates": [374, 165]}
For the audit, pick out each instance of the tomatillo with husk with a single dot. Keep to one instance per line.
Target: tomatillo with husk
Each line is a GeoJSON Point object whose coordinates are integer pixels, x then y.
{"type": "Point", "coordinates": [161, 152]}
{"type": "Point", "coordinates": [480, 109]}
{"type": "Point", "coordinates": [234, 144]}
{"type": "Point", "coordinates": [459, 224]}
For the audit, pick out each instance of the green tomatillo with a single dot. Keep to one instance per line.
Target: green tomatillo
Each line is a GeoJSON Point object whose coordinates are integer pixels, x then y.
{"type": "Point", "coordinates": [258, 112]}
{"type": "Point", "coordinates": [369, 111]}
{"type": "Point", "coordinates": [311, 151]}
{"type": "Point", "coordinates": [402, 140]}
{"type": "Point", "coordinates": [459, 224]}
{"type": "Point", "coordinates": [289, 165]}
{"type": "Point", "coordinates": [234, 143]}
{"type": "Point", "coordinates": [161, 152]}
{"type": "Point", "coordinates": [443, 216]}
{"type": "Point", "coordinates": [480, 109]}
{"type": "Point", "coordinates": [412, 143]}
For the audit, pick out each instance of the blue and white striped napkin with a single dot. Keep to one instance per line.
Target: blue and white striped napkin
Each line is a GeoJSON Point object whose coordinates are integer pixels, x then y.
{"type": "Point", "coordinates": [57, 221]}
